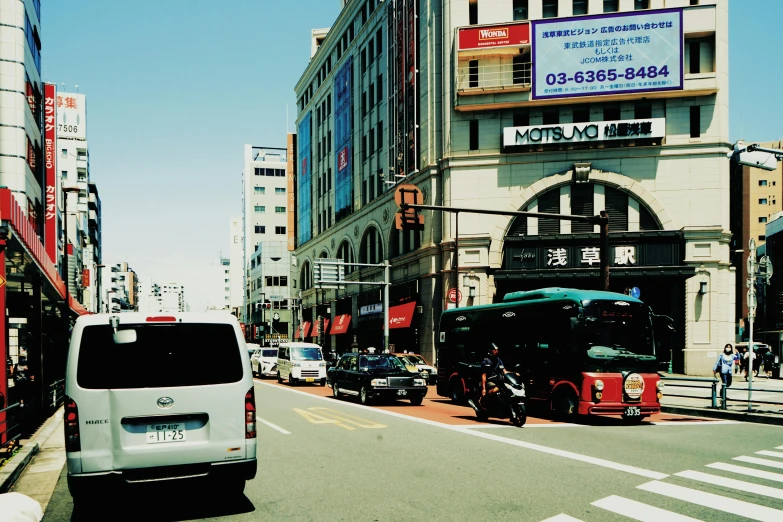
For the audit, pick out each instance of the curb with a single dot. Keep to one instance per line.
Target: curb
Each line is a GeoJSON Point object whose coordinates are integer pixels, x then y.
{"type": "Point", "coordinates": [10, 473]}
{"type": "Point", "coordinates": [725, 414]}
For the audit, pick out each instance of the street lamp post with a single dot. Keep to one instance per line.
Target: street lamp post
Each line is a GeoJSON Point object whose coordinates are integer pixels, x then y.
{"type": "Point", "coordinates": [66, 260]}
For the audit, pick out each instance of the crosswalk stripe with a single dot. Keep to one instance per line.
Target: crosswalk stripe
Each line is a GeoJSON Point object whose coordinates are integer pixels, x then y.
{"type": "Point", "coordinates": [762, 462]}
{"type": "Point", "coordinates": [778, 447]}
{"type": "Point", "coordinates": [562, 517]}
{"type": "Point", "coordinates": [770, 453]}
{"type": "Point", "coordinates": [768, 475]}
{"type": "Point", "coordinates": [732, 483]}
{"type": "Point", "coordinates": [710, 500]}
{"type": "Point", "coordinates": [639, 511]}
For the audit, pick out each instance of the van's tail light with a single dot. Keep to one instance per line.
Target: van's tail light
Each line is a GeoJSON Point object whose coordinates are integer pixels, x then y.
{"type": "Point", "coordinates": [71, 422]}
{"type": "Point", "coordinates": [250, 414]}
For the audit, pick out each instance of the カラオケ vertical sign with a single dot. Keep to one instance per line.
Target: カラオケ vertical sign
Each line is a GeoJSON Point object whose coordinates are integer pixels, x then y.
{"type": "Point", "coordinates": [607, 54]}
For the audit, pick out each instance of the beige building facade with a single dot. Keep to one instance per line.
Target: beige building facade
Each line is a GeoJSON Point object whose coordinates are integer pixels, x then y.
{"type": "Point", "coordinates": [494, 111]}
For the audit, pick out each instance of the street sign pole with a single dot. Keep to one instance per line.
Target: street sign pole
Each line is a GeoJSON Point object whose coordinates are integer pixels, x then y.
{"type": "Point", "coordinates": [386, 306]}
{"type": "Point", "coordinates": [751, 314]}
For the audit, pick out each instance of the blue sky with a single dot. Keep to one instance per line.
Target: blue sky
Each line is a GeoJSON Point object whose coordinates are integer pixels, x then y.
{"type": "Point", "coordinates": [175, 88]}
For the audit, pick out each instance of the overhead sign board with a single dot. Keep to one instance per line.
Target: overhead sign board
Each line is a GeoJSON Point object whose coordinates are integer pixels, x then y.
{"type": "Point", "coordinates": [616, 53]}
{"type": "Point", "coordinates": [493, 36]}
{"type": "Point", "coordinates": [585, 132]}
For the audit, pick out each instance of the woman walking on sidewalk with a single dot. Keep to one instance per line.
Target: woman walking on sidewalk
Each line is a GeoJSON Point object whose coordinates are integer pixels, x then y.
{"type": "Point", "coordinates": [724, 365]}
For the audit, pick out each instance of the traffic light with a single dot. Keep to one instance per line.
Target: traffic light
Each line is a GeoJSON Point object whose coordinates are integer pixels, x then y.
{"type": "Point", "coordinates": [267, 305]}
{"type": "Point", "coordinates": [408, 218]}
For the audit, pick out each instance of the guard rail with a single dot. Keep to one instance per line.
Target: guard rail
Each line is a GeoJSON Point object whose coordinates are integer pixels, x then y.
{"type": "Point", "coordinates": [719, 398]}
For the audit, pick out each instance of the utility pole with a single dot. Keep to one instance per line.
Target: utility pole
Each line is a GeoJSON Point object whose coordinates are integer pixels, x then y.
{"type": "Point", "coordinates": [761, 268]}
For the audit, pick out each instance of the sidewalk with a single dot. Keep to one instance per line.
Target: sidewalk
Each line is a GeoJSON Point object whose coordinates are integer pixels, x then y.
{"type": "Point", "coordinates": [697, 401]}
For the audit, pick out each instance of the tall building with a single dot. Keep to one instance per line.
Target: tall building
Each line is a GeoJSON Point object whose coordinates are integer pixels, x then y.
{"type": "Point", "coordinates": [236, 267]}
{"type": "Point", "coordinates": [161, 298]}
{"type": "Point", "coordinates": [555, 106]}
{"type": "Point", "coordinates": [217, 285]}
{"type": "Point", "coordinates": [93, 253]}
{"type": "Point", "coordinates": [265, 218]}
{"type": "Point", "coordinates": [120, 288]}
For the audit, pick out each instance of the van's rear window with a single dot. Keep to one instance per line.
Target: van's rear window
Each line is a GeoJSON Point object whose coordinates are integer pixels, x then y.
{"type": "Point", "coordinates": [164, 355]}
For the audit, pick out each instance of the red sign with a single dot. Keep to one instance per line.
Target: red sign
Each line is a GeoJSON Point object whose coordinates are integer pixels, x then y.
{"type": "Point", "coordinates": [400, 316]}
{"type": "Point", "coordinates": [342, 159]}
{"type": "Point", "coordinates": [50, 191]}
{"type": "Point", "coordinates": [455, 295]}
{"type": "Point", "coordinates": [489, 37]}
{"type": "Point", "coordinates": [85, 277]}
{"type": "Point", "coordinates": [340, 324]}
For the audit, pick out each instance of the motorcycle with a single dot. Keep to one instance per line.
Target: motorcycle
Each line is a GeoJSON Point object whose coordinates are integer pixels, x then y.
{"type": "Point", "coordinates": [506, 403]}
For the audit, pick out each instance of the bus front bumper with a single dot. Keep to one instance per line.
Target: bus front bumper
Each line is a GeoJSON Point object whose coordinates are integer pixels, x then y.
{"type": "Point", "coordinates": [618, 408]}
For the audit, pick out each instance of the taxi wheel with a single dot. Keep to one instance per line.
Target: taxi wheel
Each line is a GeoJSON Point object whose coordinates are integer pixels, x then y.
{"type": "Point", "coordinates": [363, 398]}
{"type": "Point", "coordinates": [416, 401]}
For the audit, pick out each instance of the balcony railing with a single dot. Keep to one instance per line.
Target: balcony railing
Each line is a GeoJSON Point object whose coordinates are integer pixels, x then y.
{"type": "Point", "coordinates": [491, 77]}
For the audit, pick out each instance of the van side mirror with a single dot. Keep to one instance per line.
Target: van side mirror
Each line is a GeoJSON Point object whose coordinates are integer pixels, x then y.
{"type": "Point", "coordinates": [124, 336]}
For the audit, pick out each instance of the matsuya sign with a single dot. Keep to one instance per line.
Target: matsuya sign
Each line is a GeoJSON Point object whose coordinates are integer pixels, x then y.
{"type": "Point", "coordinates": [585, 132]}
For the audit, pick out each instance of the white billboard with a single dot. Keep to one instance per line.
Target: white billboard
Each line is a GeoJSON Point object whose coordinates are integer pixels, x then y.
{"type": "Point", "coordinates": [615, 53]}
{"type": "Point", "coordinates": [71, 116]}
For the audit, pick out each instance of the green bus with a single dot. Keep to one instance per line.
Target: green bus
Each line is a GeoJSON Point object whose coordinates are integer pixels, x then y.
{"type": "Point", "coordinates": [578, 351]}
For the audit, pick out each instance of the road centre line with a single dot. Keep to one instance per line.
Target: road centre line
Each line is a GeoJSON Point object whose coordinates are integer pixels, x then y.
{"type": "Point", "coordinates": [273, 426]}
{"type": "Point", "coordinates": [513, 442]}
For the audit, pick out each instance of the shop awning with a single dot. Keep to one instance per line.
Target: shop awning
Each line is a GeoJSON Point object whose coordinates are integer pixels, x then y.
{"type": "Point", "coordinates": [400, 316]}
{"type": "Point", "coordinates": [341, 324]}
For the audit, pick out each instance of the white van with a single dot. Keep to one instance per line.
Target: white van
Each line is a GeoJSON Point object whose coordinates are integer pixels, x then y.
{"type": "Point", "coordinates": [151, 398]}
{"type": "Point", "coordinates": [300, 362]}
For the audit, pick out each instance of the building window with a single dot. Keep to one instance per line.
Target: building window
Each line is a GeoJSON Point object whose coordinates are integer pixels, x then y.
{"type": "Point", "coordinates": [259, 209]}
{"type": "Point", "coordinates": [580, 7]}
{"type": "Point", "coordinates": [379, 135]}
{"type": "Point", "coordinates": [762, 219]}
{"type": "Point", "coordinates": [700, 54]}
{"type": "Point", "coordinates": [611, 6]}
{"type": "Point", "coordinates": [64, 152]}
{"type": "Point", "coordinates": [280, 191]}
{"type": "Point", "coordinates": [379, 88]}
{"type": "Point", "coordinates": [279, 210]}
{"type": "Point", "coordinates": [762, 237]}
{"type": "Point", "coordinates": [364, 148]}
{"type": "Point", "coordinates": [474, 135]}
{"type": "Point", "coordinates": [638, 5]}
{"type": "Point", "coordinates": [259, 191]}
{"type": "Point", "coordinates": [364, 103]}
{"type": "Point", "coordinates": [581, 114]}
{"type": "Point", "coordinates": [521, 69]}
{"type": "Point", "coordinates": [551, 116]}
{"type": "Point", "coordinates": [762, 183]}
{"type": "Point", "coordinates": [260, 229]}
{"type": "Point", "coordinates": [642, 111]}
{"type": "Point", "coordinates": [379, 42]}
{"type": "Point", "coordinates": [371, 94]}
{"type": "Point", "coordinates": [371, 142]}
{"type": "Point", "coordinates": [695, 121]}
{"type": "Point", "coordinates": [520, 9]}
{"type": "Point", "coordinates": [364, 60]}
{"type": "Point", "coordinates": [694, 2]}
{"type": "Point", "coordinates": [279, 230]}
{"type": "Point", "coordinates": [549, 9]}
{"type": "Point", "coordinates": [521, 119]}
{"type": "Point", "coordinates": [473, 73]}
{"type": "Point", "coordinates": [472, 12]}
{"type": "Point", "coordinates": [762, 201]}
{"type": "Point", "coordinates": [612, 113]}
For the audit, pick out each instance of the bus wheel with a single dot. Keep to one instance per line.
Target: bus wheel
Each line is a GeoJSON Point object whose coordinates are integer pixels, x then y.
{"type": "Point", "coordinates": [564, 404]}
{"type": "Point", "coordinates": [457, 391]}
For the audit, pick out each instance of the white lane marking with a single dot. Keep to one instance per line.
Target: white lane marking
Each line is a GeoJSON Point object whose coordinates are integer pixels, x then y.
{"type": "Point", "coordinates": [768, 475]}
{"type": "Point", "coordinates": [778, 447]}
{"type": "Point", "coordinates": [762, 462]}
{"type": "Point", "coordinates": [691, 423]}
{"type": "Point", "coordinates": [562, 517]}
{"type": "Point", "coordinates": [513, 442]}
{"type": "Point", "coordinates": [273, 426]}
{"type": "Point", "coordinates": [719, 502]}
{"type": "Point", "coordinates": [715, 480]}
{"type": "Point", "coordinates": [770, 453]}
{"type": "Point", "coordinates": [639, 511]}
{"type": "Point", "coordinates": [491, 426]}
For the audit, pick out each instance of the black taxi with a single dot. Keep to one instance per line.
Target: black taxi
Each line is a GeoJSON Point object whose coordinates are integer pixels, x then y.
{"type": "Point", "coordinates": [375, 376]}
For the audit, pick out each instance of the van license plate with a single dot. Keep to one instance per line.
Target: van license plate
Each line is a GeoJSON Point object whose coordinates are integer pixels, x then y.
{"type": "Point", "coordinates": [157, 433]}
{"type": "Point", "coordinates": [633, 411]}
{"type": "Point", "coordinates": [309, 379]}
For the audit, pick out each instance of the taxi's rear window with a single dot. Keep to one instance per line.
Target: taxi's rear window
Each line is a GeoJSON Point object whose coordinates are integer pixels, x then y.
{"type": "Point", "coordinates": [164, 355]}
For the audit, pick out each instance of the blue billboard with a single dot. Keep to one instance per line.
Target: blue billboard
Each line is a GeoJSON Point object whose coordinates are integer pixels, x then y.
{"type": "Point", "coordinates": [343, 180]}
{"type": "Point", "coordinates": [304, 226]}
{"type": "Point", "coordinates": [607, 54]}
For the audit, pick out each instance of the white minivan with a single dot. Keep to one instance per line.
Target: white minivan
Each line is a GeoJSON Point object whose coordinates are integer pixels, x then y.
{"type": "Point", "coordinates": [152, 398]}
{"type": "Point", "coordinates": [300, 362]}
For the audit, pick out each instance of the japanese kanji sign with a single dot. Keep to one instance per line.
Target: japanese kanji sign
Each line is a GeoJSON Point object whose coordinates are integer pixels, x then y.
{"type": "Point", "coordinates": [608, 54]}
{"type": "Point", "coordinates": [71, 116]}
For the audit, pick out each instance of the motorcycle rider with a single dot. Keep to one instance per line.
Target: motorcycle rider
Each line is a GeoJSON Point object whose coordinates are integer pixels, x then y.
{"type": "Point", "coordinates": [492, 371]}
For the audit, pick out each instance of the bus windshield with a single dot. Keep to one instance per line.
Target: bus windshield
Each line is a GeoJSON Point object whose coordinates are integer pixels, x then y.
{"type": "Point", "coordinates": [615, 328]}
